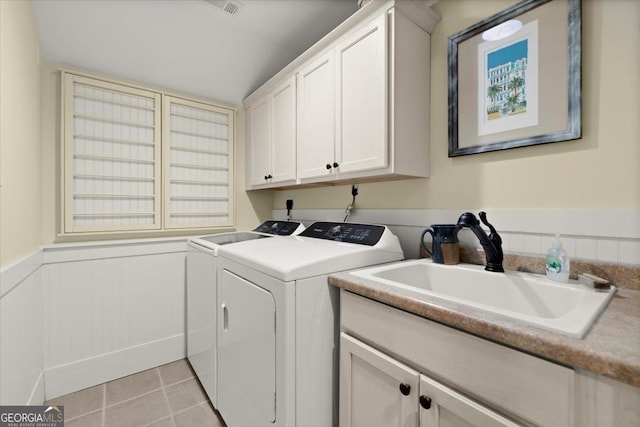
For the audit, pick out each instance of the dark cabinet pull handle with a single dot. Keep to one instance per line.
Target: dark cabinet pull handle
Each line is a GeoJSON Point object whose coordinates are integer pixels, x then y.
{"type": "Point", "coordinates": [269, 176]}
{"type": "Point", "coordinates": [335, 165]}
{"type": "Point", "coordinates": [266, 177]}
{"type": "Point", "coordinates": [328, 166]}
{"type": "Point", "coordinates": [425, 402]}
{"type": "Point", "coordinates": [405, 389]}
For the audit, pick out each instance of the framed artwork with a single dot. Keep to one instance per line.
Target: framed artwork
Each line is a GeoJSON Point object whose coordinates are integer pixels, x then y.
{"type": "Point", "coordinates": [515, 78]}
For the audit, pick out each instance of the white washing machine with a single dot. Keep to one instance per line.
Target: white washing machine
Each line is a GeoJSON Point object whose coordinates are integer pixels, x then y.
{"type": "Point", "coordinates": [202, 292]}
{"type": "Point", "coordinates": [278, 322]}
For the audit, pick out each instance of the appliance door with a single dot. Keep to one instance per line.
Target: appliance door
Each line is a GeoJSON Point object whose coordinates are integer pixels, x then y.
{"type": "Point", "coordinates": [247, 352]}
{"type": "Point", "coordinates": [201, 315]}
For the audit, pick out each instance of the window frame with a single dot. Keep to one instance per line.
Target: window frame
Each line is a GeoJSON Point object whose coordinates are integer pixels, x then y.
{"type": "Point", "coordinates": [161, 225]}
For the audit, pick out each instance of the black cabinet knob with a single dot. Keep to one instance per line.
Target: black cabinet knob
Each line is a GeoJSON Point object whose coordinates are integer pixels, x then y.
{"type": "Point", "coordinates": [405, 389]}
{"type": "Point", "coordinates": [425, 401]}
{"type": "Point", "coordinates": [335, 165]}
{"type": "Point", "coordinates": [266, 177]}
{"type": "Point", "coordinates": [269, 176]}
{"type": "Point", "coordinates": [328, 166]}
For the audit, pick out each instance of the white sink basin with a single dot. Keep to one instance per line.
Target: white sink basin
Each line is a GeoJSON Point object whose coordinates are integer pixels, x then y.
{"type": "Point", "coordinates": [569, 309]}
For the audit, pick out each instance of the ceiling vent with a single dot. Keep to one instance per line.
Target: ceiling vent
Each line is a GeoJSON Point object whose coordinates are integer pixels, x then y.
{"type": "Point", "coordinates": [229, 7]}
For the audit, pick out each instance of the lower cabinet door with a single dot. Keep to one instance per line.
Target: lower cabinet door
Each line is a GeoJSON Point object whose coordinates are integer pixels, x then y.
{"type": "Point", "coordinates": [441, 406]}
{"type": "Point", "coordinates": [375, 390]}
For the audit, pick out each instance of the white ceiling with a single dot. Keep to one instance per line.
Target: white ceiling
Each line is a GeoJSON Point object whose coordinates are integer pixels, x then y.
{"type": "Point", "coordinates": [185, 45]}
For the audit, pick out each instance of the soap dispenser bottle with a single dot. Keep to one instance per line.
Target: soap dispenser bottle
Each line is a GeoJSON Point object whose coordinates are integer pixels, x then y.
{"type": "Point", "coordinates": [557, 262]}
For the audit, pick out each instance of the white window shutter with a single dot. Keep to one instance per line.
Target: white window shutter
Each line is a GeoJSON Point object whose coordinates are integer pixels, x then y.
{"type": "Point", "coordinates": [198, 160]}
{"type": "Point", "coordinates": [111, 156]}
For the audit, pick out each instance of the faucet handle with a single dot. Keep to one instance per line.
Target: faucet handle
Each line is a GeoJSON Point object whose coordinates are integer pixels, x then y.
{"type": "Point", "coordinates": [494, 237]}
{"type": "Point", "coordinates": [483, 218]}
{"type": "Point", "coordinates": [496, 245]}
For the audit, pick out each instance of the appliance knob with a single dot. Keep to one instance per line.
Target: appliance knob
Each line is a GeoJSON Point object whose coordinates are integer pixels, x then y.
{"type": "Point", "coordinates": [425, 401]}
{"type": "Point", "coordinates": [405, 389]}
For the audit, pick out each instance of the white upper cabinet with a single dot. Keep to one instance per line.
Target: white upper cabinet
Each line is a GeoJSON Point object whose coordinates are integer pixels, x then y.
{"type": "Point", "coordinates": [283, 151]}
{"type": "Point", "coordinates": [259, 132]}
{"type": "Point", "coordinates": [316, 118]}
{"type": "Point", "coordinates": [271, 135]}
{"type": "Point", "coordinates": [361, 63]}
{"type": "Point", "coordinates": [362, 96]}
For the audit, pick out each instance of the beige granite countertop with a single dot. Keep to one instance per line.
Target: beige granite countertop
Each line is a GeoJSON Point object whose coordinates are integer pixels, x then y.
{"type": "Point", "coordinates": [611, 348]}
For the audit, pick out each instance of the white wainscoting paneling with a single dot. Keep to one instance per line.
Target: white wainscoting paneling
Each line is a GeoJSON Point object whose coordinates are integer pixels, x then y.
{"type": "Point", "coordinates": [16, 273]}
{"type": "Point", "coordinates": [591, 234]}
{"type": "Point", "coordinates": [21, 335]}
{"type": "Point", "coordinates": [108, 316]}
{"type": "Point", "coordinates": [79, 314]}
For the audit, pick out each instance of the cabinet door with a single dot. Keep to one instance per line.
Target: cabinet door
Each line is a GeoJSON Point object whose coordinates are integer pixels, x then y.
{"type": "Point", "coordinates": [375, 390]}
{"type": "Point", "coordinates": [259, 126]}
{"type": "Point", "coordinates": [361, 63]}
{"type": "Point", "coordinates": [283, 153]}
{"type": "Point", "coordinates": [316, 118]}
{"type": "Point", "coordinates": [246, 352]}
{"type": "Point", "coordinates": [441, 406]}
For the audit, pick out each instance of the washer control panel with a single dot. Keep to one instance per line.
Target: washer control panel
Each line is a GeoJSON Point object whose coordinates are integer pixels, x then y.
{"type": "Point", "coordinates": [278, 228]}
{"type": "Point", "coordinates": [362, 234]}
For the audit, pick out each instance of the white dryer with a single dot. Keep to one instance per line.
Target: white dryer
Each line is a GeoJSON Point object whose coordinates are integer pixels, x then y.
{"type": "Point", "coordinates": [278, 325]}
{"type": "Point", "coordinates": [202, 254]}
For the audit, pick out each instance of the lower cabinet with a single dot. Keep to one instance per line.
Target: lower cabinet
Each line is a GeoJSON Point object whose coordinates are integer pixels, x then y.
{"type": "Point", "coordinates": [440, 406]}
{"type": "Point", "coordinates": [378, 390]}
{"type": "Point", "coordinates": [375, 389]}
{"type": "Point", "coordinates": [401, 370]}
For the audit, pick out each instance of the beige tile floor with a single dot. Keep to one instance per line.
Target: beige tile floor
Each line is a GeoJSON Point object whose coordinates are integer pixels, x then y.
{"type": "Point", "coordinates": [169, 395]}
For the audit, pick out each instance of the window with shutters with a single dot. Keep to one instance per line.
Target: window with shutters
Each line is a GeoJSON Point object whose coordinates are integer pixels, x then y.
{"type": "Point", "coordinates": [138, 160]}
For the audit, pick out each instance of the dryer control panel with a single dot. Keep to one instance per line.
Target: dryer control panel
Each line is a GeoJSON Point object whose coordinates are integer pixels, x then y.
{"type": "Point", "coordinates": [279, 228]}
{"type": "Point", "coordinates": [362, 234]}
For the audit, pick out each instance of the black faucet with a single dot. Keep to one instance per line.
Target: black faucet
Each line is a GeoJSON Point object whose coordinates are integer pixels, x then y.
{"type": "Point", "coordinates": [492, 244]}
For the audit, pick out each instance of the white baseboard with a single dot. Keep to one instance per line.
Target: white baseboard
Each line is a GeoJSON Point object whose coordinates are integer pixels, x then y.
{"type": "Point", "coordinates": [37, 395]}
{"type": "Point", "coordinates": [71, 377]}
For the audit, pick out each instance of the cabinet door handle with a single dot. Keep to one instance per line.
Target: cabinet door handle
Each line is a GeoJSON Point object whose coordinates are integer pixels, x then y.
{"type": "Point", "coordinates": [425, 401]}
{"type": "Point", "coordinates": [335, 164]}
{"type": "Point", "coordinates": [328, 166]}
{"type": "Point", "coordinates": [405, 389]}
{"type": "Point", "coordinates": [269, 176]}
{"type": "Point", "coordinates": [266, 177]}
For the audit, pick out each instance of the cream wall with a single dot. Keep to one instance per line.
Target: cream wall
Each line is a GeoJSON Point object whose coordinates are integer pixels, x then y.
{"type": "Point", "coordinates": [20, 147]}
{"type": "Point", "coordinates": [599, 171]}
